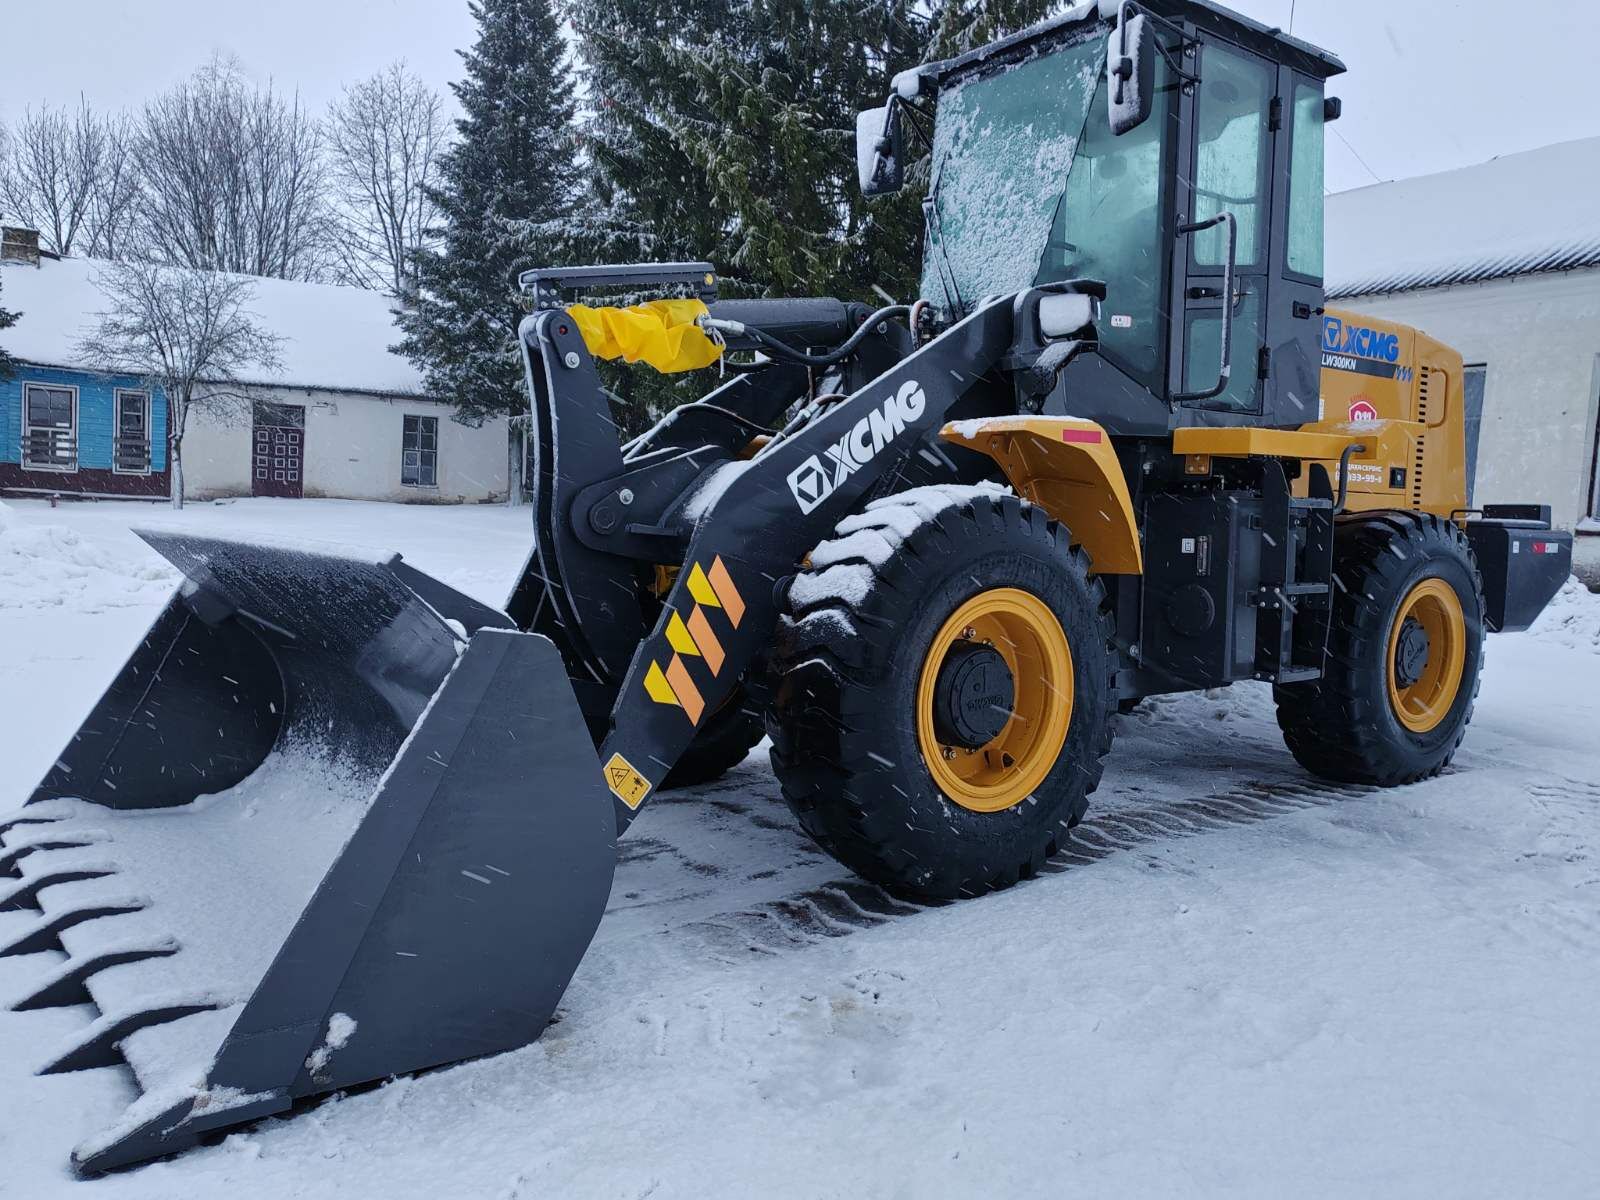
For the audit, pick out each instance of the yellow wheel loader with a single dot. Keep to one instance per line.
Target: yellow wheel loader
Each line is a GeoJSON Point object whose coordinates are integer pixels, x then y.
{"type": "Point", "coordinates": [335, 821]}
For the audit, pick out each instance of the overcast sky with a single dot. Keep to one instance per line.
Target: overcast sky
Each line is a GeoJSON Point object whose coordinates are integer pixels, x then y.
{"type": "Point", "coordinates": [1433, 83]}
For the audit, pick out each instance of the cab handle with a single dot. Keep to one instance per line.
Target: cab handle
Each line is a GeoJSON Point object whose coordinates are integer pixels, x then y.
{"type": "Point", "coordinates": [1226, 373]}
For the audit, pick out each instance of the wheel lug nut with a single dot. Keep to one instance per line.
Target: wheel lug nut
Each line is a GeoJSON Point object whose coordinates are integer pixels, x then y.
{"type": "Point", "coordinates": [968, 634]}
{"type": "Point", "coordinates": [949, 753]}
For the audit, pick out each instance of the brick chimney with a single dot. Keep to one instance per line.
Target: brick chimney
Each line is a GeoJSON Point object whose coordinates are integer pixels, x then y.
{"type": "Point", "coordinates": [19, 245]}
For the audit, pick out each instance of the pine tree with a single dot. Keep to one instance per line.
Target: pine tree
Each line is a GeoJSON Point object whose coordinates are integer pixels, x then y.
{"type": "Point", "coordinates": [507, 190]}
{"type": "Point", "coordinates": [726, 129]}
{"type": "Point", "coordinates": [962, 25]}
{"type": "Point", "coordinates": [8, 365]}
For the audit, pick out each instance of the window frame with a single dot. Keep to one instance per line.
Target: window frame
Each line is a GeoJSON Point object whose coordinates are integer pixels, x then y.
{"type": "Point", "coordinates": [419, 451]}
{"type": "Point", "coordinates": [116, 429]}
{"type": "Point", "coordinates": [1472, 440]}
{"type": "Point", "coordinates": [1594, 450]}
{"type": "Point", "coordinates": [1295, 82]}
{"type": "Point", "coordinates": [1167, 123]}
{"type": "Point", "coordinates": [1266, 184]}
{"type": "Point", "coordinates": [27, 427]}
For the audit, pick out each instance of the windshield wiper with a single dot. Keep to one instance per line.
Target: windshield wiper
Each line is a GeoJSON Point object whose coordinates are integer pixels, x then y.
{"type": "Point", "coordinates": [942, 264]}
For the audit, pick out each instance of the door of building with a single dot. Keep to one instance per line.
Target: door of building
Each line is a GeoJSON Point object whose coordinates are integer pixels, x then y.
{"type": "Point", "coordinates": [278, 450]}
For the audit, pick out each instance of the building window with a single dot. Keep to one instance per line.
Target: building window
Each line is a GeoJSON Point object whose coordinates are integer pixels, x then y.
{"type": "Point", "coordinates": [130, 452]}
{"type": "Point", "coordinates": [419, 452]}
{"type": "Point", "coordinates": [49, 427]}
{"type": "Point", "coordinates": [1473, 385]}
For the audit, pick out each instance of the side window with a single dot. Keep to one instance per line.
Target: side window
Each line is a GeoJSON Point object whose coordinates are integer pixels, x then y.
{"type": "Point", "coordinates": [419, 452]}
{"type": "Point", "coordinates": [1202, 359]}
{"type": "Point", "coordinates": [1234, 155]}
{"type": "Point", "coordinates": [1473, 385]}
{"type": "Point", "coordinates": [1306, 183]}
{"type": "Point", "coordinates": [49, 428]}
{"type": "Point", "coordinates": [1108, 226]}
{"type": "Point", "coordinates": [130, 451]}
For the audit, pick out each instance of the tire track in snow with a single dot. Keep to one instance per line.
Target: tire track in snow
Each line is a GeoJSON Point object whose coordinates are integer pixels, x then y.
{"type": "Point", "coordinates": [849, 905]}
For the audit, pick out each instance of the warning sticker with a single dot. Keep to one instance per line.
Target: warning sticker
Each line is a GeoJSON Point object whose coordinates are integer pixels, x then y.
{"type": "Point", "coordinates": [625, 783]}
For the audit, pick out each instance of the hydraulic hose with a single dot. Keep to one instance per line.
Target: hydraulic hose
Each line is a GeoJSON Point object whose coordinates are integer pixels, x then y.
{"type": "Point", "coordinates": [782, 349]}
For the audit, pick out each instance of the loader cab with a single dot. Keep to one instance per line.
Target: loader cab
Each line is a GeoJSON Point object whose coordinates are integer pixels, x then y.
{"type": "Point", "coordinates": [1031, 184]}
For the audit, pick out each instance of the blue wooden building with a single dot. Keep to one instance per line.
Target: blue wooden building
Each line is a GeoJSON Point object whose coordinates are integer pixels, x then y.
{"type": "Point", "coordinates": [337, 415]}
{"type": "Point", "coordinates": [67, 429]}
{"type": "Point", "coordinates": [70, 430]}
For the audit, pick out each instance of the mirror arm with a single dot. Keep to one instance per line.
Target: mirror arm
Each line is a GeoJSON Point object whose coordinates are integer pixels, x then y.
{"type": "Point", "coordinates": [1170, 54]}
{"type": "Point", "coordinates": [1225, 375]}
{"type": "Point", "coordinates": [1128, 9]}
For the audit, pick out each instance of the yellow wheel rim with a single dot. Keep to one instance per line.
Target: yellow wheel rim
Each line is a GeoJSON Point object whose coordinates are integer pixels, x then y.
{"type": "Point", "coordinates": [1004, 772]}
{"type": "Point", "coordinates": [1422, 695]}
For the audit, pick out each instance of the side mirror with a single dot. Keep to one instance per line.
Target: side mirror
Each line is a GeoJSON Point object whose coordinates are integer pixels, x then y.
{"type": "Point", "coordinates": [1130, 71]}
{"type": "Point", "coordinates": [880, 150]}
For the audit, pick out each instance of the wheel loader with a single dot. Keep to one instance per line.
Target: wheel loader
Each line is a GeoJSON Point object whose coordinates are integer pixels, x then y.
{"type": "Point", "coordinates": [335, 821]}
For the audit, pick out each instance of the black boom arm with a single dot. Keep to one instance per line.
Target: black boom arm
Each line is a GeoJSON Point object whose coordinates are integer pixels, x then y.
{"type": "Point", "coordinates": [721, 612]}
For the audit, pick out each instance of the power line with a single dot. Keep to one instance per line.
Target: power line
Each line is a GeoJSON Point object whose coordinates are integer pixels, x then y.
{"type": "Point", "coordinates": [1375, 176]}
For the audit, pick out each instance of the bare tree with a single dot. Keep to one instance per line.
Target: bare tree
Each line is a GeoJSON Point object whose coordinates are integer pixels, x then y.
{"type": "Point", "coordinates": [384, 138]}
{"type": "Point", "coordinates": [50, 172]}
{"type": "Point", "coordinates": [190, 333]}
{"type": "Point", "coordinates": [114, 197]}
{"type": "Point", "coordinates": [232, 178]}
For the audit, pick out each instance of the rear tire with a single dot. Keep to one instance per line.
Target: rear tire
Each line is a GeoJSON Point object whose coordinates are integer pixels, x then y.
{"type": "Point", "coordinates": [870, 625]}
{"type": "Point", "coordinates": [1394, 703]}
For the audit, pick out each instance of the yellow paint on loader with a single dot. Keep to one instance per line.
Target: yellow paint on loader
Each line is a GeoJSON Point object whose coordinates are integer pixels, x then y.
{"type": "Point", "coordinates": [1422, 465]}
{"type": "Point", "coordinates": [1069, 468]}
{"type": "Point", "coordinates": [1405, 418]}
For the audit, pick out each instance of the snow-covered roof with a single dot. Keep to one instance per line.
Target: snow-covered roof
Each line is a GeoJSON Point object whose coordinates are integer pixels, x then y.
{"type": "Point", "coordinates": [1515, 215]}
{"type": "Point", "coordinates": [336, 338]}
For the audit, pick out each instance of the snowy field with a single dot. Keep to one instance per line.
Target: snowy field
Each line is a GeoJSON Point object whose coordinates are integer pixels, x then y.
{"type": "Point", "coordinates": [1239, 983]}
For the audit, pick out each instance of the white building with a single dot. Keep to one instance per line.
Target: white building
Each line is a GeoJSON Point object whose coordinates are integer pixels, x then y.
{"type": "Point", "coordinates": [1502, 261]}
{"type": "Point", "coordinates": [342, 416]}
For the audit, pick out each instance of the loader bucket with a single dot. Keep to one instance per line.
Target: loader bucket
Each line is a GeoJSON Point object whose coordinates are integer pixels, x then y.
{"type": "Point", "coordinates": [333, 822]}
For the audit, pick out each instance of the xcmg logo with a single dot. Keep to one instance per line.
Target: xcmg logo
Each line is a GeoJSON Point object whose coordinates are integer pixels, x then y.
{"type": "Point", "coordinates": [814, 480]}
{"type": "Point", "coordinates": [1338, 337]}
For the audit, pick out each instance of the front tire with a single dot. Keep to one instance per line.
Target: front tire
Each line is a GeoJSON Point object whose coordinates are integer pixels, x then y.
{"type": "Point", "coordinates": [1405, 650]}
{"type": "Point", "coordinates": [942, 691]}
{"type": "Point", "coordinates": [720, 745]}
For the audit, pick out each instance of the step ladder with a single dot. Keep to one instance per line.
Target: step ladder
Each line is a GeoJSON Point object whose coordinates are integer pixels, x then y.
{"type": "Point", "coordinates": [1294, 603]}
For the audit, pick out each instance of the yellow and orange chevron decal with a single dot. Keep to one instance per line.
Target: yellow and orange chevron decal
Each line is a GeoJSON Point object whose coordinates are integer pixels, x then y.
{"type": "Point", "coordinates": [694, 638]}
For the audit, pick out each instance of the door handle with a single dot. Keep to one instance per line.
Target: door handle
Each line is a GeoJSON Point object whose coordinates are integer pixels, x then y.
{"type": "Point", "coordinates": [1226, 373]}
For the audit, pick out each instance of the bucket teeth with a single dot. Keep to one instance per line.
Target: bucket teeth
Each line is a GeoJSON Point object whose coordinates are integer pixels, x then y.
{"type": "Point", "coordinates": [26, 895]}
{"type": "Point", "coordinates": [8, 825]}
{"type": "Point", "coordinates": [46, 934]}
{"type": "Point", "coordinates": [99, 1046]}
{"type": "Point", "coordinates": [10, 860]}
{"type": "Point", "coordinates": [68, 988]}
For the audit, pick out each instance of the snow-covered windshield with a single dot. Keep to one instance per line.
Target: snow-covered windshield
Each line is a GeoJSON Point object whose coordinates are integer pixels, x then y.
{"type": "Point", "coordinates": [1002, 148]}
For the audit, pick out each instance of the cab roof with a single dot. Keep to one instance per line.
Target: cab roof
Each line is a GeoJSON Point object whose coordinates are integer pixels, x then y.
{"type": "Point", "coordinates": [1203, 14]}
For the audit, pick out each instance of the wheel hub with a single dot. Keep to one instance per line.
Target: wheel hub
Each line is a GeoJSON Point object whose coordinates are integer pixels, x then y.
{"type": "Point", "coordinates": [1411, 653]}
{"type": "Point", "coordinates": [973, 697]}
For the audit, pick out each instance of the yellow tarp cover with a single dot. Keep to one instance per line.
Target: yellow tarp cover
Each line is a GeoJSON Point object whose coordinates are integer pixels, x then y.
{"type": "Point", "coordinates": [662, 333]}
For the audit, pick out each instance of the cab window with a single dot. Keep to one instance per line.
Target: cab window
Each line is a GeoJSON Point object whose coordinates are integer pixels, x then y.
{"type": "Point", "coordinates": [1108, 225]}
{"type": "Point", "coordinates": [1234, 156]}
{"type": "Point", "coordinates": [1306, 183]}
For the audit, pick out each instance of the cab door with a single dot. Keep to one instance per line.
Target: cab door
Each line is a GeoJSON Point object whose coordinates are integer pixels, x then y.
{"type": "Point", "coordinates": [1224, 243]}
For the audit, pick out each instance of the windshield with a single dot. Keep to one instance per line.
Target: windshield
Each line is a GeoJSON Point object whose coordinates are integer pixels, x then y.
{"type": "Point", "coordinates": [1002, 149]}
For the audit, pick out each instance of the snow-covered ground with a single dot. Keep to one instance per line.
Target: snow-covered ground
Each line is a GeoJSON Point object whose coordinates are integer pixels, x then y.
{"type": "Point", "coordinates": [1240, 983]}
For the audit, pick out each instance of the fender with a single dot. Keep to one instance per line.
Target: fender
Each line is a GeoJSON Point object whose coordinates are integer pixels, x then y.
{"type": "Point", "coordinates": [1069, 468]}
